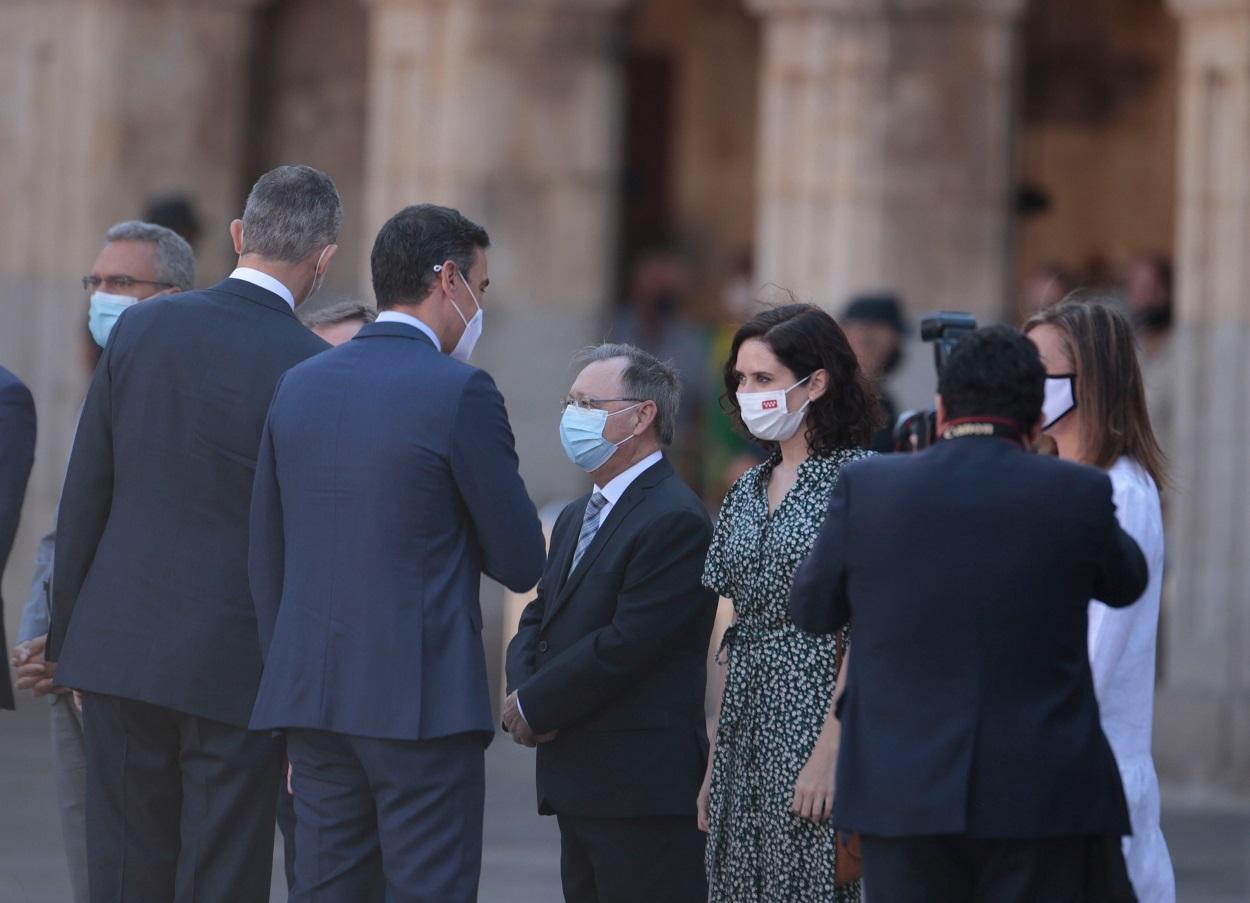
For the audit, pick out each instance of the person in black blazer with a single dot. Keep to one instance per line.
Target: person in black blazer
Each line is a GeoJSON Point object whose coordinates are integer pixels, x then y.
{"type": "Point", "coordinates": [387, 486]}
{"type": "Point", "coordinates": [17, 455]}
{"type": "Point", "coordinates": [607, 670]}
{"type": "Point", "coordinates": [152, 617]}
{"type": "Point", "coordinates": [972, 760]}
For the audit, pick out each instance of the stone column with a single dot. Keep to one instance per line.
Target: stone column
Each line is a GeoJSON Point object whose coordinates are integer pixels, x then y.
{"type": "Point", "coordinates": [1202, 718]}
{"type": "Point", "coordinates": [885, 150]}
{"type": "Point", "coordinates": [511, 113]}
{"type": "Point", "coordinates": [102, 104]}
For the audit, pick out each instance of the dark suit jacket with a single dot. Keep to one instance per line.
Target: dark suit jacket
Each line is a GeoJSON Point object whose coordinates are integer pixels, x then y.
{"type": "Point", "coordinates": [387, 486]}
{"type": "Point", "coordinates": [150, 598]}
{"type": "Point", "coordinates": [614, 656]}
{"type": "Point", "coordinates": [966, 572]}
{"type": "Point", "coordinates": [17, 455]}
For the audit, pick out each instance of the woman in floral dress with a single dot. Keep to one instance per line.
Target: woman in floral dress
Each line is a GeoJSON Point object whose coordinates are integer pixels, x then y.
{"type": "Point", "coordinates": [794, 383]}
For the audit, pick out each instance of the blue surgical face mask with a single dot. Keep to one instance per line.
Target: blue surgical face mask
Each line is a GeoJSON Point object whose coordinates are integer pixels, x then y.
{"type": "Point", "coordinates": [581, 434]}
{"type": "Point", "coordinates": [103, 313]}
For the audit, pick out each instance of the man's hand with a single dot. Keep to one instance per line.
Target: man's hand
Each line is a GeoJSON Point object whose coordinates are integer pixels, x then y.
{"type": "Point", "coordinates": [518, 727]}
{"type": "Point", "coordinates": [511, 711]}
{"type": "Point", "coordinates": [34, 672]}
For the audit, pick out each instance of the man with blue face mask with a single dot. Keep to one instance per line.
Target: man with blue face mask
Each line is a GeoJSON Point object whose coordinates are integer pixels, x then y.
{"type": "Point", "coordinates": [139, 261]}
{"type": "Point", "coordinates": [607, 671]}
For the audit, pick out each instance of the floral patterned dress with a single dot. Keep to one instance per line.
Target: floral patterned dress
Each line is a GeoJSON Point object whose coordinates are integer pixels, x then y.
{"type": "Point", "coordinates": [777, 692]}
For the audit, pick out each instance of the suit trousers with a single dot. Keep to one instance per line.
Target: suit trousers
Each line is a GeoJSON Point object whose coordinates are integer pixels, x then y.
{"type": "Point", "coordinates": [400, 816]}
{"type": "Point", "coordinates": [957, 869]}
{"type": "Point", "coordinates": [179, 807]}
{"type": "Point", "coordinates": [69, 773]}
{"type": "Point", "coordinates": [624, 860]}
{"type": "Point", "coordinates": [286, 826]}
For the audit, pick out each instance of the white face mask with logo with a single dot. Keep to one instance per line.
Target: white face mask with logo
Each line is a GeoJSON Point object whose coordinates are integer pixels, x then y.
{"type": "Point", "coordinates": [766, 416]}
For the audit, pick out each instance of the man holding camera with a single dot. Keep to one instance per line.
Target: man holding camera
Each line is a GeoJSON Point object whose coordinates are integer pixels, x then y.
{"type": "Point", "coordinates": [972, 761]}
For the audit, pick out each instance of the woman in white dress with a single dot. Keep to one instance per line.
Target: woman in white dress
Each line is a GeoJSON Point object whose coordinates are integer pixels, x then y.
{"type": "Point", "coordinates": [1095, 410]}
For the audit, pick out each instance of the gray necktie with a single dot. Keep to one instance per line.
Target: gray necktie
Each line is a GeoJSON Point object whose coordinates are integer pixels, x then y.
{"type": "Point", "coordinates": [590, 526]}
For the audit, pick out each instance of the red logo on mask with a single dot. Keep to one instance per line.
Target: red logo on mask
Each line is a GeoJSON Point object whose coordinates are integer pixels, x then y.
{"type": "Point", "coordinates": [769, 405]}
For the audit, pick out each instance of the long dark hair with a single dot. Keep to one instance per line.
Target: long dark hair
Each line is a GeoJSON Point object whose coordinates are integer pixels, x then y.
{"type": "Point", "coordinates": [1110, 391]}
{"type": "Point", "coordinates": [806, 339]}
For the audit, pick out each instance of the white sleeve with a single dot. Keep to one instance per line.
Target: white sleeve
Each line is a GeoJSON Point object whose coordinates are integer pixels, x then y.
{"type": "Point", "coordinates": [1136, 509]}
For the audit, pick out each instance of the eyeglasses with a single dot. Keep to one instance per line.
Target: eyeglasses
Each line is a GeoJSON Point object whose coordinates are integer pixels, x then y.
{"type": "Point", "coordinates": [591, 404]}
{"type": "Point", "coordinates": [118, 283]}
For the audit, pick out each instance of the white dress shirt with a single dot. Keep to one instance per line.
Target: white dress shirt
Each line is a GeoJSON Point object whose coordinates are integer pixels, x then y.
{"type": "Point", "coordinates": [265, 281]}
{"type": "Point", "coordinates": [612, 492]}
{"type": "Point", "coordinates": [394, 316]}
{"type": "Point", "coordinates": [618, 484]}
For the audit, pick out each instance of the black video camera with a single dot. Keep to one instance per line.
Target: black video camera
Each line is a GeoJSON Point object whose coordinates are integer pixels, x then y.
{"type": "Point", "coordinates": [916, 430]}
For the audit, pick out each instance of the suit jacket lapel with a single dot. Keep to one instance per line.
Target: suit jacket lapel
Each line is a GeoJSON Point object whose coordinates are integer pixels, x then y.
{"type": "Point", "coordinates": [620, 511]}
{"type": "Point", "coordinates": [562, 558]}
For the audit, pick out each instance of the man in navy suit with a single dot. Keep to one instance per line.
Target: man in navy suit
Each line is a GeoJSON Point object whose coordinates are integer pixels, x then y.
{"type": "Point", "coordinates": [151, 613]}
{"type": "Point", "coordinates": [17, 454]}
{"type": "Point", "coordinates": [972, 759]}
{"type": "Point", "coordinates": [387, 485]}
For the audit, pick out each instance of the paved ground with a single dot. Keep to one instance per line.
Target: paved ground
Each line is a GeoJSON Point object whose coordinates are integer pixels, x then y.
{"type": "Point", "coordinates": [1210, 845]}
{"type": "Point", "coordinates": [520, 858]}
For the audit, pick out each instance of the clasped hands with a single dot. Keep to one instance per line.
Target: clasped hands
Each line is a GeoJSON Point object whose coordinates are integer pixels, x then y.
{"type": "Point", "coordinates": [518, 728]}
{"type": "Point", "coordinates": [34, 672]}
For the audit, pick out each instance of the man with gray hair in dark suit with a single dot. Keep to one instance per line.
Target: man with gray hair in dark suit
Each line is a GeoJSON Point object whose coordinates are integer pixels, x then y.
{"type": "Point", "coordinates": [139, 261]}
{"type": "Point", "coordinates": [151, 614]}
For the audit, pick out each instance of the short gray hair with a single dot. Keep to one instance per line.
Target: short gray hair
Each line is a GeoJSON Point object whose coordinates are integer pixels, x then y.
{"type": "Point", "coordinates": [645, 377]}
{"type": "Point", "coordinates": [291, 212]}
{"type": "Point", "coordinates": [174, 262]}
{"type": "Point", "coordinates": [338, 312]}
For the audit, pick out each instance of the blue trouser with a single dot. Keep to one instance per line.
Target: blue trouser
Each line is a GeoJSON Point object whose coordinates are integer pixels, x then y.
{"type": "Point", "coordinates": [406, 815]}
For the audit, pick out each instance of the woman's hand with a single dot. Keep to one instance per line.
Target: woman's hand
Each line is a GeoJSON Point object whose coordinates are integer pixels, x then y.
{"type": "Point", "coordinates": [704, 804]}
{"type": "Point", "coordinates": [813, 790]}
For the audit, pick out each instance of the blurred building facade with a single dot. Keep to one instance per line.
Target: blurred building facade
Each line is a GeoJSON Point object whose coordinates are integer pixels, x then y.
{"type": "Point", "coordinates": [941, 149]}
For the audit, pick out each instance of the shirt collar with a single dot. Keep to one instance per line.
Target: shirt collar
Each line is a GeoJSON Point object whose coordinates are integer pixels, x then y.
{"type": "Point", "coordinates": [394, 316]}
{"type": "Point", "coordinates": [618, 484]}
{"type": "Point", "coordinates": [265, 281]}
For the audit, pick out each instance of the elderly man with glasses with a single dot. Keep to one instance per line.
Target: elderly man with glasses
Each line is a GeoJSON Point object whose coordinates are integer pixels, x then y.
{"type": "Point", "coordinates": [138, 261]}
{"type": "Point", "coordinates": [607, 671]}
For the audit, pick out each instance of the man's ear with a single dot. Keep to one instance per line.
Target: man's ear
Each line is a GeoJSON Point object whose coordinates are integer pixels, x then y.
{"type": "Point", "coordinates": [236, 235]}
{"type": "Point", "coordinates": [647, 415]}
{"type": "Point", "coordinates": [329, 253]}
{"type": "Point", "coordinates": [448, 273]}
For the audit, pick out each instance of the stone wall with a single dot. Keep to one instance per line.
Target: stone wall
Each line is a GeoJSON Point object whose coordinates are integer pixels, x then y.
{"type": "Point", "coordinates": [1097, 134]}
